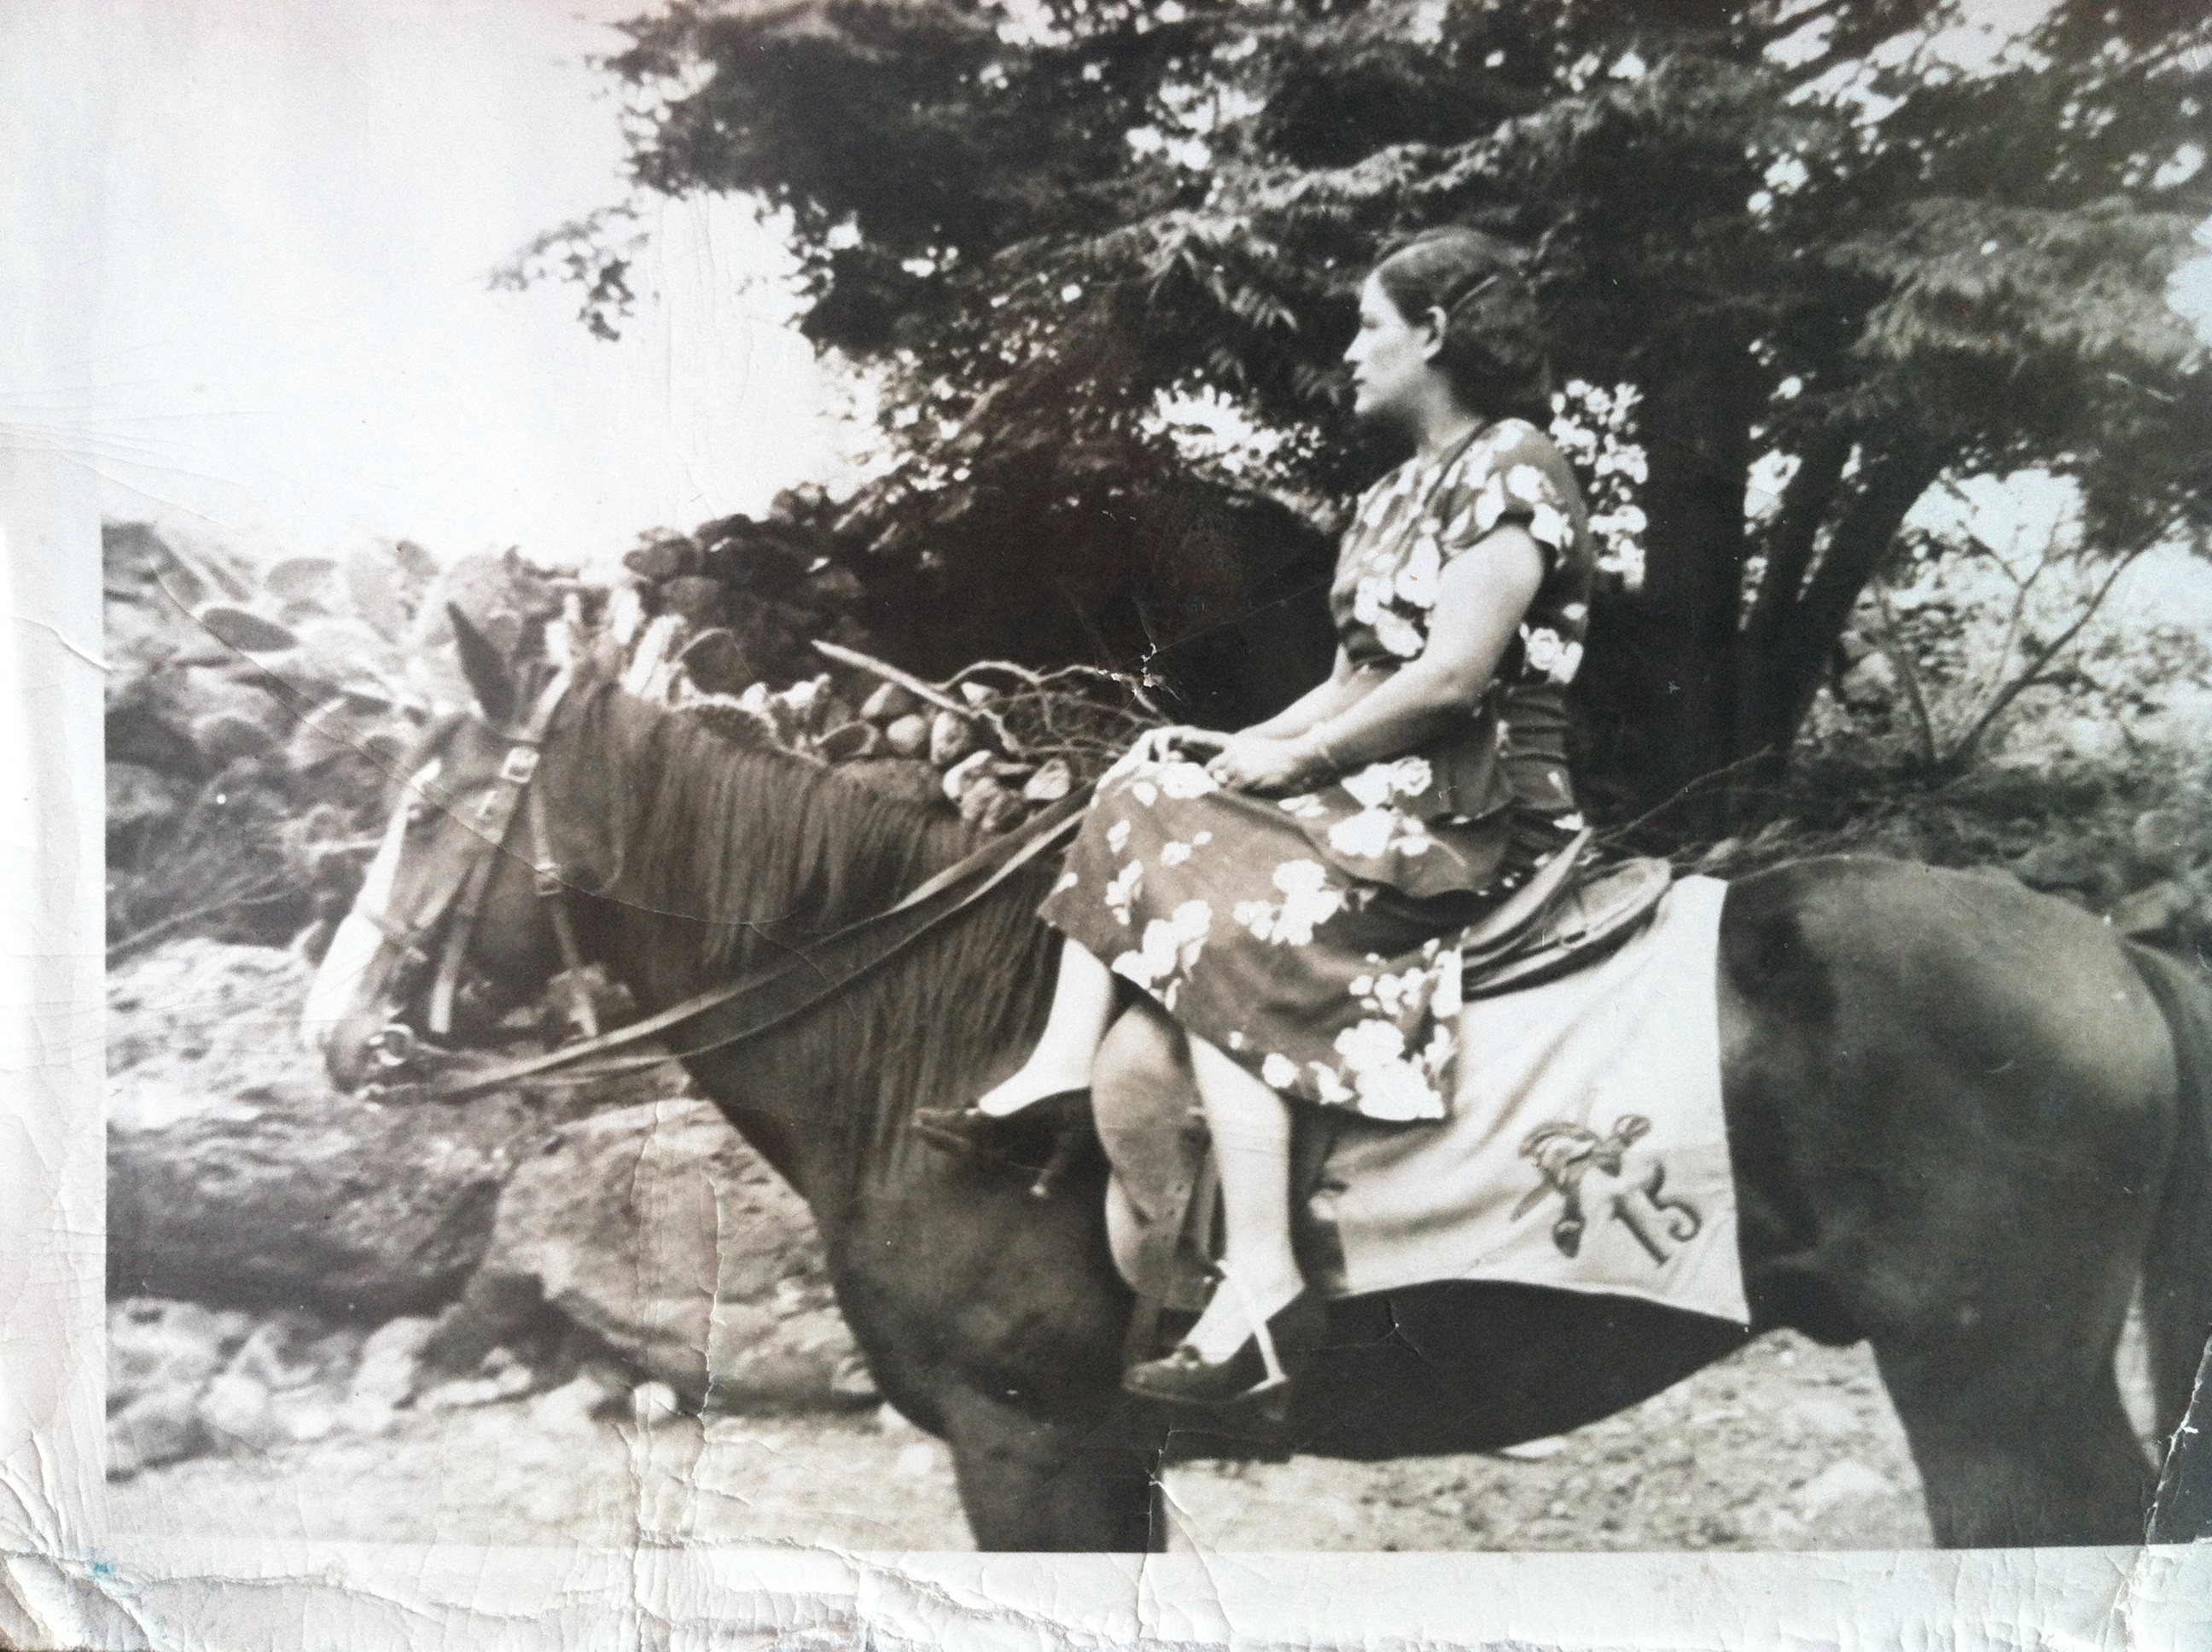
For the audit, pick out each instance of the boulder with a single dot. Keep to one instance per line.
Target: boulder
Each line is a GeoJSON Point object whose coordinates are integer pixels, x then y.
{"type": "Point", "coordinates": [161, 1427]}
{"type": "Point", "coordinates": [907, 735]}
{"type": "Point", "coordinates": [889, 702]}
{"type": "Point", "coordinates": [656, 1231]}
{"type": "Point", "coordinates": [238, 1177]}
{"type": "Point", "coordinates": [951, 737]}
{"type": "Point", "coordinates": [159, 1347]}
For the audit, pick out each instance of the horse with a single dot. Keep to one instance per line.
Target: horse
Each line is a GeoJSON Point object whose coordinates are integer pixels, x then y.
{"type": "Point", "coordinates": [1965, 1120]}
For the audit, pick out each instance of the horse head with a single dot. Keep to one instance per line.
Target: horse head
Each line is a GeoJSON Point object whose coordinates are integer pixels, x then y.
{"type": "Point", "coordinates": [461, 912]}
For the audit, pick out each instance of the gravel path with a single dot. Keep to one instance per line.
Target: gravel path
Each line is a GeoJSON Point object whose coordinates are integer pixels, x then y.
{"type": "Point", "coordinates": [1785, 1445]}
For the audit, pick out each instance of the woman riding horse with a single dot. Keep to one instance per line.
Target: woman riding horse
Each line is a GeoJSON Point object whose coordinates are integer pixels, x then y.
{"type": "Point", "coordinates": [1294, 904]}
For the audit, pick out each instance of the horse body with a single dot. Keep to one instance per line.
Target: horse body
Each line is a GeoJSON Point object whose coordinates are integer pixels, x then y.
{"type": "Point", "coordinates": [1962, 1117]}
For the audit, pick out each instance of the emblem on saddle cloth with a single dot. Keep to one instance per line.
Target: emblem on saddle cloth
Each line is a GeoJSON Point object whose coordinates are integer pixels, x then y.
{"type": "Point", "coordinates": [1564, 1154]}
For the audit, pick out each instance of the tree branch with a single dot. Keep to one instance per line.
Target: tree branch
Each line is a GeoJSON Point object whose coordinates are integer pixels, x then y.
{"type": "Point", "coordinates": [1963, 753]}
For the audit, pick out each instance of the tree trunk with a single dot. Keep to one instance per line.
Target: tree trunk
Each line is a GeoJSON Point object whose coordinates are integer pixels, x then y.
{"type": "Point", "coordinates": [1696, 426]}
{"type": "Point", "coordinates": [1887, 488]}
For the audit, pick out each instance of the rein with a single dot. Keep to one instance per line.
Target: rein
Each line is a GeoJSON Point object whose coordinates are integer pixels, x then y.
{"type": "Point", "coordinates": [723, 1016]}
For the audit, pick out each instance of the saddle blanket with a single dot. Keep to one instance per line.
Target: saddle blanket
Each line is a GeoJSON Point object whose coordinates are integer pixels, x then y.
{"type": "Point", "coordinates": [1587, 1149]}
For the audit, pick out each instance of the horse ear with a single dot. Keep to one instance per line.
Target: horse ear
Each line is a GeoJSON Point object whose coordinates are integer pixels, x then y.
{"type": "Point", "coordinates": [484, 667]}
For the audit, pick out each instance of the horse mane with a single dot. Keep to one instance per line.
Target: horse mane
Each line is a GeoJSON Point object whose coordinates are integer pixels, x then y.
{"type": "Point", "coordinates": [746, 852]}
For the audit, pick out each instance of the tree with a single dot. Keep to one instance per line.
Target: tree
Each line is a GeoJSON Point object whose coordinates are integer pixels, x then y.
{"type": "Point", "coordinates": [1849, 243]}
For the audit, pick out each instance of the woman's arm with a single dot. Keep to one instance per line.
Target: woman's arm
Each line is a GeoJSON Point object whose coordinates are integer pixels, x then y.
{"type": "Point", "coordinates": [1481, 596]}
{"type": "Point", "coordinates": [1325, 699]}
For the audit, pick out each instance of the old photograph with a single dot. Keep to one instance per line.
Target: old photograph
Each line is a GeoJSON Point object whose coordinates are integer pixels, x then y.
{"type": "Point", "coordinates": [1129, 775]}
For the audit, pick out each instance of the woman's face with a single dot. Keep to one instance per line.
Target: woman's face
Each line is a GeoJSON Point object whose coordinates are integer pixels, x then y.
{"type": "Point", "coordinates": [1391, 358]}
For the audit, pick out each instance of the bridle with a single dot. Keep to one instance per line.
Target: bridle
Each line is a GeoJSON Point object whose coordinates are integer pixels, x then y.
{"type": "Point", "coordinates": [509, 798]}
{"type": "Point", "coordinates": [717, 1019]}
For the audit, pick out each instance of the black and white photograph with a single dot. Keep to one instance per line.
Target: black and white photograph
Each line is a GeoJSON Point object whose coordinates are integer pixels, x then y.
{"type": "Point", "coordinates": [1264, 780]}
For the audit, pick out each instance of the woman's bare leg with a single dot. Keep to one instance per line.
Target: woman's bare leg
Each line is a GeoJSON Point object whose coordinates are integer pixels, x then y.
{"type": "Point", "coordinates": [1081, 1010]}
{"type": "Point", "coordinates": [1251, 1129]}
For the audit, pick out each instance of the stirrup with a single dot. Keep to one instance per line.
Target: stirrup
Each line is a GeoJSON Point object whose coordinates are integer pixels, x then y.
{"type": "Point", "coordinates": [968, 1132]}
{"type": "Point", "coordinates": [1184, 1376]}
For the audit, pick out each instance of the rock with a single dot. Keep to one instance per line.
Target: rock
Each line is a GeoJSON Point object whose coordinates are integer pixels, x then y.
{"type": "Point", "coordinates": [1838, 1484]}
{"type": "Point", "coordinates": [140, 801]}
{"type": "Point", "coordinates": [1052, 780]}
{"type": "Point", "coordinates": [907, 736]}
{"type": "Point", "coordinates": [664, 559]}
{"type": "Point", "coordinates": [2058, 864]}
{"type": "Point", "coordinates": [951, 737]}
{"type": "Point", "coordinates": [2160, 909]}
{"type": "Point", "coordinates": [576, 1406]}
{"type": "Point", "coordinates": [889, 703]}
{"type": "Point", "coordinates": [1871, 681]}
{"type": "Point", "coordinates": [224, 738]}
{"type": "Point", "coordinates": [967, 772]}
{"type": "Point", "coordinates": [2165, 840]}
{"type": "Point", "coordinates": [834, 587]}
{"type": "Point", "coordinates": [653, 1405]}
{"type": "Point", "coordinates": [802, 1361]}
{"type": "Point", "coordinates": [697, 599]}
{"type": "Point", "coordinates": [849, 740]}
{"type": "Point", "coordinates": [717, 663]}
{"type": "Point", "coordinates": [235, 1412]}
{"type": "Point", "coordinates": [648, 1227]}
{"type": "Point", "coordinates": [156, 1428]}
{"type": "Point", "coordinates": [385, 1377]}
{"type": "Point", "coordinates": [979, 796]}
{"type": "Point", "coordinates": [503, 1376]}
{"type": "Point", "coordinates": [291, 1350]}
{"type": "Point", "coordinates": [976, 694]}
{"type": "Point", "coordinates": [243, 629]}
{"type": "Point", "coordinates": [375, 591]}
{"type": "Point", "coordinates": [160, 1347]}
{"type": "Point", "coordinates": [237, 1177]}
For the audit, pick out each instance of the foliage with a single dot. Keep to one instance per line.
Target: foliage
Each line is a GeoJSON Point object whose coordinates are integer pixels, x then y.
{"type": "Point", "coordinates": [1986, 611]}
{"type": "Point", "coordinates": [1851, 241]}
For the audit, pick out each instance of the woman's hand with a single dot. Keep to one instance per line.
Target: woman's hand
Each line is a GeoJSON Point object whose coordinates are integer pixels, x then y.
{"type": "Point", "coordinates": [1159, 745]}
{"type": "Point", "coordinates": [1257, 764]}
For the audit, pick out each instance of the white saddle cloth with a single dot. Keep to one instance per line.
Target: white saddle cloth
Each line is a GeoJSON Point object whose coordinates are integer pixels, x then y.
{"type": "Point", "coordinates": [1587, 1148]}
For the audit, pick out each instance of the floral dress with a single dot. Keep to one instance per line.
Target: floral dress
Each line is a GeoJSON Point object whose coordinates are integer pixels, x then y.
{"type": "Point", "coordinates": [1314, 938]}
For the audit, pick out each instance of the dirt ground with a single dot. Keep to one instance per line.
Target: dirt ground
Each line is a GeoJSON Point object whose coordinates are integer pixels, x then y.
{"type": "Point", "coordinates": [1785, 1445]}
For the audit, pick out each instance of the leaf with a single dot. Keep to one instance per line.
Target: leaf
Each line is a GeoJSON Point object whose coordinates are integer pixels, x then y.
{"type": "Point", "coordinates": [243, 629]}
{"type": "Point", "coordinates": [373, 583]}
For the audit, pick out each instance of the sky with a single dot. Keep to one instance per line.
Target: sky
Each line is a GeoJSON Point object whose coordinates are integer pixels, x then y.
{"type": "Point", "coordinates": [290, 344]}
{"type": "Point", "coordinates": [294, 346]}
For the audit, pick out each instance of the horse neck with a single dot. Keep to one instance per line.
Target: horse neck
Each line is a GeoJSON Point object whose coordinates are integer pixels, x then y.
{"type": "Point", "coordinates": [731, 859]}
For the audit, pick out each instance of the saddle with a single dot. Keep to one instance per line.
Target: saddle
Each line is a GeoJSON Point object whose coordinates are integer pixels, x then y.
{"type": "Point", "coordinates": [1567, 917]}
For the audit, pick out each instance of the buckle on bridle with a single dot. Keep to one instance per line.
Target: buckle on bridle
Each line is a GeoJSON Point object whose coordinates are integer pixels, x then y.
{"type": "Point", "coordinates": [518, 765]}
{"type": "Point", "coordinates": [393, 1044]}
{"type": "Point", "coordinates": [545, 877]}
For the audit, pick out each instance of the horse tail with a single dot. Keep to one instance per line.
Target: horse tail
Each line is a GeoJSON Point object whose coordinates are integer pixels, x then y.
{"type": "Point", "coordinates": [2178, 1268]}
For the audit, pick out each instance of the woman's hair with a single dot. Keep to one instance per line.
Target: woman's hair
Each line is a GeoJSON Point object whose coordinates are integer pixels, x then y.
{"type": "Point", "coordinates": [1493, 345]}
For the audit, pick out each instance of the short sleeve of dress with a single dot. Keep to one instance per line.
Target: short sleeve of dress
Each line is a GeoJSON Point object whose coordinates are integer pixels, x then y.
{"type": "Point", "coordinates": [1512, 473]}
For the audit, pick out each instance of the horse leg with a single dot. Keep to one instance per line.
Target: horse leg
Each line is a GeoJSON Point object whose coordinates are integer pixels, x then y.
{"type": "Point", "coordinates": [2008, 1457]}
{"type": "Point", "coordinates": [1033, 1484]}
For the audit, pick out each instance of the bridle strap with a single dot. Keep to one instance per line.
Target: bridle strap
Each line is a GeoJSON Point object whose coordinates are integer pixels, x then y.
{"type": "Point", "coordinates": [492, 823]}
{"type": "Point", "coordinates": [741, 1009]}
{"type": "Point", "coordinates": [545, 876]}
